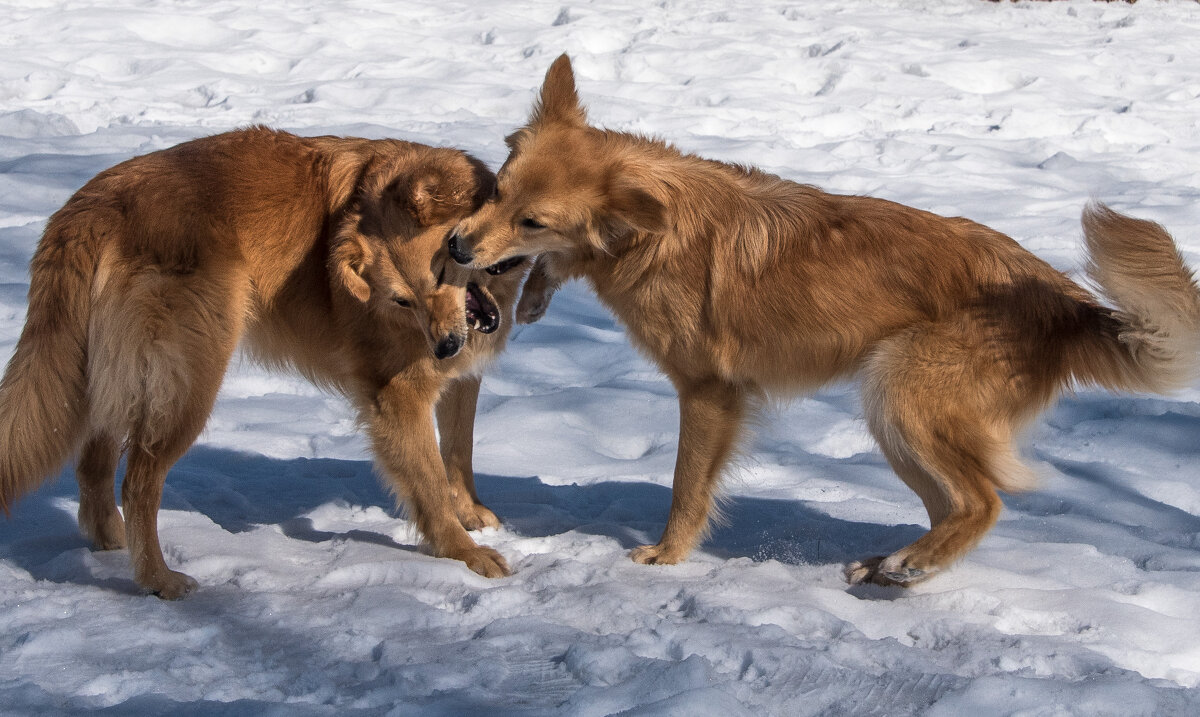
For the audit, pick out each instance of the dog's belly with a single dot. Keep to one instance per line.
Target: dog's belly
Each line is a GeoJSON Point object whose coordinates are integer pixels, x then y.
{"type": "Point", "coordinates": [790, 366]}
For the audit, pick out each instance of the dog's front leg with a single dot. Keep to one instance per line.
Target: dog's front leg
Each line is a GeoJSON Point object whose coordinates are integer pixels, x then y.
{"type": "Point", "coordinates": [456, 426]}
{"type": "Point", "coordinates": [711, 414]}
{"type": "Point", "coordinates": [539, 288]}
{"type": "Point", "coordinates": [402, 433]}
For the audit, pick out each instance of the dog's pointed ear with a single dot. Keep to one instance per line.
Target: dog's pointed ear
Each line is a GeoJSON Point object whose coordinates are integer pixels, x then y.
{"type": "Point", "coordinates": [348, 259]}
{"type": "Point", "coordinates": [558, 101]}
{"type": "Point", "coordinates": [635, 206]}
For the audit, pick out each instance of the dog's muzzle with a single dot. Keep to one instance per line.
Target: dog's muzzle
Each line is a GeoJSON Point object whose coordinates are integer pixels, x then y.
{"type": "Point", "coordinates": [482, 313]}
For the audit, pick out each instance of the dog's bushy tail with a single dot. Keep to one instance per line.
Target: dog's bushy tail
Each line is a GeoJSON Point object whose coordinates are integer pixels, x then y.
{"type": "Point", "coordinates": [43, 402]}
{"type": "Point", "coordinates": [1154, 342]}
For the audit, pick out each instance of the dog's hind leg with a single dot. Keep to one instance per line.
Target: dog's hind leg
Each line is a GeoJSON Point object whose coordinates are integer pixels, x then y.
{"type": "Point", "coordinates": [456, 428]}
{"type": "Point", "coordinates": [941, 409]}
{"type": "Point", "coordinates": [154, 446]}
{"type": "Point", "coordinates": [711, 415]}
{"type": "Point", "coordinates": [161, 341]}
{"type": "Point", "coordinates": [141, 494]}
{"type": "Point", "coordinates": [96, 474]}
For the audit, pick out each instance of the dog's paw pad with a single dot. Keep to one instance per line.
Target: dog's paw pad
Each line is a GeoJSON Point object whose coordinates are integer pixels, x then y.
{"type": "Point", "coordinates": [887, 571]}
{"type": "Point", "coordinates": [906, 575]}
{"type": "Point", "coordinates": [897, 570]}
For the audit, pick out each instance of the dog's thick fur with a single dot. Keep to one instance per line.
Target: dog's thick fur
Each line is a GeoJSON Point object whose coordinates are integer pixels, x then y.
{"type": "Point", "coordinates": [325, 254]}
{"type": "Point", "coordinates": [740, 284]}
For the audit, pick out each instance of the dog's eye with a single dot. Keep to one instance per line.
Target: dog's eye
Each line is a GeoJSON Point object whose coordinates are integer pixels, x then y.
{"type": "Point", "coordinates": [531, 223]}
{"type": "Point", "coordinates": [402, 302]}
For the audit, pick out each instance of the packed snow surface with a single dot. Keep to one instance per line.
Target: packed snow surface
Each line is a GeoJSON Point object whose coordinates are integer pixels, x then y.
{"type": "Point", "coordinates": [315, 598]}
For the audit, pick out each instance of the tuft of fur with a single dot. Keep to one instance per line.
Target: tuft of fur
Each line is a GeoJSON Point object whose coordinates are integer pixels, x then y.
{"type": "Point", "coordinates": [1136, 266]}
{"type": "Point", "coordinates": [43, 411]}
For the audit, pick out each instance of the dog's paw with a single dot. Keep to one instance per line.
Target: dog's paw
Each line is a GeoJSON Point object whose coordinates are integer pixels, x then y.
{"type": "Point", "coordinates": [889, 570]}
{"type": "Point", "coordinates": [530, 311]}
{"type": "Point", "coordinates": [106, 534]}
{"type": "Point", "coordinates": [533, 304]}
{"type": "Point", "coordinates": [861, 571]}
{"type": "Point", "coordinates": [475, 516]}
{"type": "Point", "coordinates": [654, 555]}
{"type": "Point", "coordinates": [485, 561]}
{"type": "Point", "coordinates": [171, 585]}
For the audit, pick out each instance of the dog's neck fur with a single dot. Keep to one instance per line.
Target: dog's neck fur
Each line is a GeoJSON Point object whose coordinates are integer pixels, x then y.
{"type": "Point", "coordinates": [632, 269]}
{"type": "Point", "coordinates": [755, 211]}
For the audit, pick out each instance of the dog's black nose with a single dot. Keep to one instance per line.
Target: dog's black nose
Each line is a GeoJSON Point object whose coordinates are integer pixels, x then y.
{"type": "Point", "coordinates": [448, 346]}
{"type": "Point", "coordinates": [457, 252]}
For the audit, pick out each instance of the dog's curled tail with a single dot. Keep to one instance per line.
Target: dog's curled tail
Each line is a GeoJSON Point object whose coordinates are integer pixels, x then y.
{"type": "Point", "coordinates": [1155, 343]}
{"type": "Point", "coordinates": [43, 402]}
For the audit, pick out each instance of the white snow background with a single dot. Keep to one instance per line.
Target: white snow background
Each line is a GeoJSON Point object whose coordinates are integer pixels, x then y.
{"type": "Point", "coordinates": [314, 598]}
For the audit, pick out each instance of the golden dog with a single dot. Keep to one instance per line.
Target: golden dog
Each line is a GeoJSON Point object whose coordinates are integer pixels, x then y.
{"type": "Point", "coordinates": [740, 284]}
{"type": "Point", "coordinates": [325, 254]}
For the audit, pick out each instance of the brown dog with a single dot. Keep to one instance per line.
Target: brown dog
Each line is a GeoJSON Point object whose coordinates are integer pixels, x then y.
{"type": "Point", "coordinates": [740, 284]}
{"type": "Point", "coordinates": [325, 254]}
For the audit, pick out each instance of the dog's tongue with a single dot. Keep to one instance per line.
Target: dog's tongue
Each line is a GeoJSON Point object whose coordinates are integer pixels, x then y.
{"type": "Point", "coordinates": [482, 314]}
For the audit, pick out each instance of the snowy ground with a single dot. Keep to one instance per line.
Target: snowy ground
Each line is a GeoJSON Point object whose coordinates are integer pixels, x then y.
{"type": "Point", "coordinates": [314, 600]}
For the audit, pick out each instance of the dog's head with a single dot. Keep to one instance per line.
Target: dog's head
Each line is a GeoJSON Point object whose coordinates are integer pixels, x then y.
{"type": "Point", "coordinates": [563, 189]}
{"type": "Point", "coordinates": [389, 252]}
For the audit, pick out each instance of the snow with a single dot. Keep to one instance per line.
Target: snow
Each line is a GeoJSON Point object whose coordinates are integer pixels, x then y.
{"type": "Point", "coordinates": [316, 600]}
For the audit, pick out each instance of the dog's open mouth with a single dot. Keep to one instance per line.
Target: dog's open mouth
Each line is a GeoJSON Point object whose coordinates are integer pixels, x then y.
{"type": "Point", "coordinates": [502, 266]}
{"type": "Point", "coordinates": [482, 314]}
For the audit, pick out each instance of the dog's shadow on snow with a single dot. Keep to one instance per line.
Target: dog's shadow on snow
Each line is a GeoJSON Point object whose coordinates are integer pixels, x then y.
{"type": "Point", "coordinates": [634, 514]}
{"type": "Point", "coordinates": [240, 491]}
